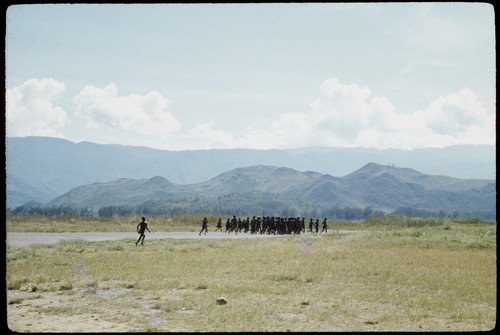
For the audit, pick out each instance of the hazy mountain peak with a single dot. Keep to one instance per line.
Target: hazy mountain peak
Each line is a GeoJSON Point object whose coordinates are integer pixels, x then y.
{"type": "Point", "coordinates": [41, 168]}
{"type": "Point", "coordinates": [159, 180]}
{"type": "Point", "coordinates": [273, 189]}
{"type": "Point", "coordinates": [374, 169]}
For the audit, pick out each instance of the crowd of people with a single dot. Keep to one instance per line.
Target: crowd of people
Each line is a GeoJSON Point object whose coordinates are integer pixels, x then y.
{"type": "Point", "coordinates": [267, 225]}
{"type": "Point", "coordinates": [256, 225]}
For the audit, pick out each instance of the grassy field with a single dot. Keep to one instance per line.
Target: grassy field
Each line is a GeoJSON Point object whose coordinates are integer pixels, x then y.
{"type": "Point", "coordinates": [385, 274]}
{"type": "Point", "coordinates": [97, 224]}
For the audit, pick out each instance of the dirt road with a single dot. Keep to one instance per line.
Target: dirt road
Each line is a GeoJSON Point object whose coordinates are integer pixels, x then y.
{"type": "Point", "coordinates": [24, 239]}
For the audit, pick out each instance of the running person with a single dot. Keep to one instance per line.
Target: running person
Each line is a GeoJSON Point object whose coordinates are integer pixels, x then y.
{"type": "Point", "coordinates": [204, 226]}
{"type": "Point", "coordinates": [325, 227]}
{"type": "Point", "coordinates": [141, 229]}
{"type": "Point", "coordinates": [219, 225]}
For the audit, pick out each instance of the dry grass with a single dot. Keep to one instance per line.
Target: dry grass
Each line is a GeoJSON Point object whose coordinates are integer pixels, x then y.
{"type": "Point", "coordinates": [99, 224]}
{"type": "Point", "coordinates": [388, 278]}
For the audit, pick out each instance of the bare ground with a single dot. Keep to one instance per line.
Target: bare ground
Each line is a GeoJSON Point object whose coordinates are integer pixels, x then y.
{"type": "Point", "coordinates": [67, 312]}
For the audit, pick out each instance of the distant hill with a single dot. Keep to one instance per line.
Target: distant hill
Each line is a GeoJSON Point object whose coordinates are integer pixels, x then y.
{"type": "Point", "coordinates": [41, 168]}
{"type": "Point", "coordinates": [251, 189]}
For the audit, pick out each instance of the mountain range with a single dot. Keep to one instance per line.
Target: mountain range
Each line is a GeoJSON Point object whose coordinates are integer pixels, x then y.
{"type": "Point", "coordinates": [380, 187]}
{"type": "Point", "coordinates": [42, 168]}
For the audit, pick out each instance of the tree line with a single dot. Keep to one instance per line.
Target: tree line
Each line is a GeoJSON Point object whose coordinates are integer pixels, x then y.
{"type": "Point", "coordinates": [198, 206]}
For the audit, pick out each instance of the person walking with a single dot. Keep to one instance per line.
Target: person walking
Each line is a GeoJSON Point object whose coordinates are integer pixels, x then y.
{"type": "Point", "coordinates": [204, 226]}
{"type": "Point", "coordinates": [141, 229]}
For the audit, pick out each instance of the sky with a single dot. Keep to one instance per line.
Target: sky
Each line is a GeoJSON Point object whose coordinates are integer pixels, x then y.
{"type": "Point", "coordinates": [260, 76]}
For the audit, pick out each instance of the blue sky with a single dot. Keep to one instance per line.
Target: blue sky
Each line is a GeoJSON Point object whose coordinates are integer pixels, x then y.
{"type": "Point", "coordinates": [202, 76]}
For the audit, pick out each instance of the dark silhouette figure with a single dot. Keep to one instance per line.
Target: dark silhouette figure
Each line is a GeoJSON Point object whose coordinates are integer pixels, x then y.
{"type": "Point", "coordinates": [234, 225]}
{"type": "Point", "coordinates": [141, 229]}
{"type": "Point", "coordinates": [219, 225]}
{"type": "Point", "coordinates": [324, 227]}
{"type": "Point", "coordinates": [316, 225]}
{"type": "Point", "coordinates": [204, 226]}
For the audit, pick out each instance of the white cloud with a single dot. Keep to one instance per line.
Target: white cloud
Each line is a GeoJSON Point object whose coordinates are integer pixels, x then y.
{"type": "Point", "coordinates": [456, 113]}
{"type": "Point", "coordinates": [459, 118]}
{"type": "Point", "coordinates": [137, 114]}
{"type": "Point", "coordinates": [204, 136]}
{"type": "Point", "coordinates": [339, 113]}
{"type": "Point", "coordinates": [289, 130]}
{"type": "Point", "coordinates": [30, 110]}
{"type": "Point", "coordinates": [344, 115]}
{"type": "Point", "coordinates": [347, 116]}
